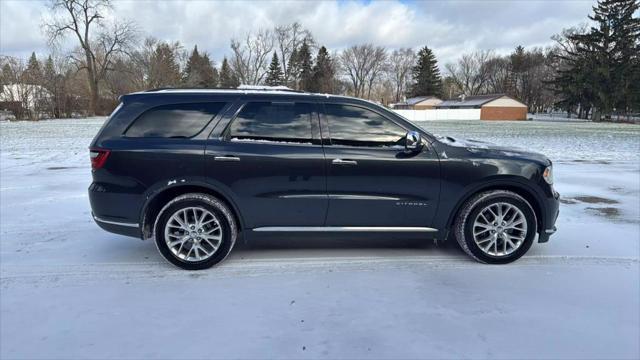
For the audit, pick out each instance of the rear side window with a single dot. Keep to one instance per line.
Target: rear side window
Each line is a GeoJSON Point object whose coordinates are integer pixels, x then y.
{"type": "Point", "coordinates": [174, 121]}
{"type": "Point", "coordinates": [273, 121]}
{"type": "Point", "coordinates": [356, 126]}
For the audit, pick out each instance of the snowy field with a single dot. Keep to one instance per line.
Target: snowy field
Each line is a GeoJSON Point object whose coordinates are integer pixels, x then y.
{"type": "Point", "coordinates": [70, 290]}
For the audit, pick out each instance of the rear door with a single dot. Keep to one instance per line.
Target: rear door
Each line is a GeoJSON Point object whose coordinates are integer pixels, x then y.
{"type": "Point", "coordinates": [371, 180]}
{"type": "Point", "coordinates": [271, 159]}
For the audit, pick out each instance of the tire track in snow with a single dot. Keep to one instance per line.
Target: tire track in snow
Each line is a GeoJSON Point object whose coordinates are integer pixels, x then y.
{"type": "Point", "coordinates": [82, 273]}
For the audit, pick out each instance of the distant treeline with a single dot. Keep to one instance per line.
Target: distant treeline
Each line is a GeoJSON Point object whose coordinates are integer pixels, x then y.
{"type": "Point", "coordinates": [591, 71]}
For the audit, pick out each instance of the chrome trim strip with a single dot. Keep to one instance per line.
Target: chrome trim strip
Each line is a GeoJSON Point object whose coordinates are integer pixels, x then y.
{"type": "Point", "coordinates": [550, 231]}
{"type": "Point", "coordinates": [344, 162]}
{"type": "Point", "coordinates": [338, 197]}
{"type": "Point", "coordinates": [226, 158]}
{"type": "Point", "coordinates": [115, 222]}
{"type": "Point", "coordinates": [343, 229]}
{"type": "Point", "coordinates": [303, 196]}
{"type": "Point", "coordinates": [361, 197]}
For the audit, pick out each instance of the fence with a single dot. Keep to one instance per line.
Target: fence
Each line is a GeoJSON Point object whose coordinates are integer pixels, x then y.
{"type": "Point", "coordinates": [440, 114]}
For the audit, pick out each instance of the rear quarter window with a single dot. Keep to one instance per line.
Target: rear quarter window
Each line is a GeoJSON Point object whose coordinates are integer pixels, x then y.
{"type": "Point", "coordinates": [174, 120]}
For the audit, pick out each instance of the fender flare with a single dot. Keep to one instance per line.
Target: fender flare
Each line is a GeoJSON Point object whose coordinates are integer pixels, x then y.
{"type": "Point", "coordinates": [175, 184]}
{"type": "Point", "coordinates": [496, 183]}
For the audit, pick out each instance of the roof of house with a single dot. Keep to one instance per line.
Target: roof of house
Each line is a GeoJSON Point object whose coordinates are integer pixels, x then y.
{"type": "Point", "coordinates": [470, 101]}
{"type": "Point", "coordinates": [416, 100]}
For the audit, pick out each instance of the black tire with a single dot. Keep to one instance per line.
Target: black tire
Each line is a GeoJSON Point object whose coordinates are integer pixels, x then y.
{"type": "Point", "coordinates": [207, 202]}
{"type": "Point", "coordinates": [463, 226]}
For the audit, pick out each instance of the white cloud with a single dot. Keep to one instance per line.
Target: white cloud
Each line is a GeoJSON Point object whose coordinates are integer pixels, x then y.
{"type": "Point", "coordinates": [20, 27]}
{"type": "Point", "coordinates": [449, 27]}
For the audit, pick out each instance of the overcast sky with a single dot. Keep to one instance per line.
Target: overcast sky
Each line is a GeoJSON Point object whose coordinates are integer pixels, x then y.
{"type": "Point", "coordinates": [448, 27]}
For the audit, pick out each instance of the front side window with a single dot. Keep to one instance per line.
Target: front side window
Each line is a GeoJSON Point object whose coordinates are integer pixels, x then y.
{"type": "Point", "coordinates": [273, 121]}
{"type": "Point", "coordinates": [174, 121]}
{"type": "Point", "coordinates": [356, 126]}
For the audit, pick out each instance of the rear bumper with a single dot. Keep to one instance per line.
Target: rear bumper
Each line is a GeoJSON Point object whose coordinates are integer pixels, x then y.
{"type": "Point", "coordinates": [118, 227]}
{"type": "Point", "coordinates": [106, 204]}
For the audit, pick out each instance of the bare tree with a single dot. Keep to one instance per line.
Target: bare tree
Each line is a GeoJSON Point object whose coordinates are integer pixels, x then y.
{"type": "Point", "coordinates": [498, 75]}
{"type": "Point", "coordinates": [250, 58]}
{"type": "Point", "coordinates": [471, 72]}
{"type": "Point", "coordinates": [62, 101]}
{"type": "Point", "coordinates": [15, 94]}
{"type": "Point", "coordinates": [288, 38]}
{"type": "Point", "coordinates": [99, 43]}
{"type": "Point", "coordinates": [139, 68]}
{"type": "Point", "coordinates": [363, 65]}
{"type": "Point", "coordinates": [378, 67]}
{"type": "Point", "coordinates": [399, 68]}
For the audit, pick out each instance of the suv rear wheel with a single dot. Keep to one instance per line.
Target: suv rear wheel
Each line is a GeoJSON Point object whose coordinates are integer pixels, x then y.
{"type": "Point", "coordinates": [496, 227]}
{"type": "Point", "coordinates": [195, 231]}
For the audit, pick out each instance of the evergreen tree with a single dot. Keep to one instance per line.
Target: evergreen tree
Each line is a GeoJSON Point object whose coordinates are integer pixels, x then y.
{"type": "Point", "coordinates": [33, 72]}
{"type": "Point", "coordinates": [209, 73]}
{"type": "Point", "coordinates": [49, 70]}
{"type": "Point", "coordinates": [275, 77]}
{"type": "Point", "coordinates": [293, 67]}
{"type": "Point", "coordinates": [571, 84]}
{"type": "Point", "coordinates": [626, 70]}
{"type": "Point", "coordinates": [611, 50]}
{"type": "Point", "coordinates": [518, 61]}
{"type": "Point", "coordinates": [634, 92]}
{"type": "Point", "coordinates": [199, 72]}
{"type": "Point", "coordinates": [426, 75]}
{"type": "Point", "coordinates": [52, 84]}
{"type": "Point", "coordinates": [572, 74]}
{"type": "Point", "coordinates": [190, 68]}
{"type": "Point", "coordinates": [305, 65]}
{"type": "Point", "coordinates": [323, 73]}
{"type": "Point", "coordinates": [7, 77]}
{"type": "Point", "coordinates": [228, 80]}
{"type": "Point", "coordinates": [164, 70]}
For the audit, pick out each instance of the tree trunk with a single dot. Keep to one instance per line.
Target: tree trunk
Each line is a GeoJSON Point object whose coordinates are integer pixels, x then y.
{"type": "Point", "coordinates": [93, 83]}
{"type": "Point", "coordinates": [93, 100]}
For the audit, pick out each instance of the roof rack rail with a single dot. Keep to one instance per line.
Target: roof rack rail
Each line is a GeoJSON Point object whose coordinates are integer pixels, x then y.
{"type": "Point", "coordinates": [241, 87]}
{"type": "Point", "coordinates": [160, 89]}
{"type": "Point", "coordinates": [268, 88]}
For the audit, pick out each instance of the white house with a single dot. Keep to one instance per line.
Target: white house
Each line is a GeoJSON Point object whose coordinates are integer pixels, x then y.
{"type": "Point", "coordinates": [26, 94]}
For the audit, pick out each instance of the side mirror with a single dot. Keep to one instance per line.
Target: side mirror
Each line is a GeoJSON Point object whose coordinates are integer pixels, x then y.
{"type": "Point", "coordinates": [413, 141]}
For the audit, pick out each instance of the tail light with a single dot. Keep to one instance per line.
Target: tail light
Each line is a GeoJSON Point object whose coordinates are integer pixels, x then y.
{"type": "Point", "coordinates": [98, 157]}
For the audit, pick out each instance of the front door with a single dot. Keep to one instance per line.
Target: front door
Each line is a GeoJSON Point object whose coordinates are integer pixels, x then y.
{"type": "Point", "coordinates": [271, 161]}
{"type": "Point", "coordinates": [371, 180]}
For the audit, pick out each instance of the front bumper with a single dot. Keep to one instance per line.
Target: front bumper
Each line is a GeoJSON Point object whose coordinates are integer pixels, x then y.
{"type": "Point", "coordinates": [549, 225]}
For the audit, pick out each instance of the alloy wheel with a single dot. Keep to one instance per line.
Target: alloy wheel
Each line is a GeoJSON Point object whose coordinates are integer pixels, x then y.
{"type": "Point", "coordinates": [500, 229]}
{"type": "Point", "coordinates": [193, 234]}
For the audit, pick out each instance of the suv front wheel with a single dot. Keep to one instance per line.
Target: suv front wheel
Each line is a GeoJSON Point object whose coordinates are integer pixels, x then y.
{"type": "Point", "coordinates": [496, 227]}
{"type": "Point", "coordinates": [195, 231]}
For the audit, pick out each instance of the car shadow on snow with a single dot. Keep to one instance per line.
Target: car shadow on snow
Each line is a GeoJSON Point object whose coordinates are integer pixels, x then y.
{"type": "Point", "coordinates": [111, 249]}
{"type": "Point", "coordinates": [274, 247]}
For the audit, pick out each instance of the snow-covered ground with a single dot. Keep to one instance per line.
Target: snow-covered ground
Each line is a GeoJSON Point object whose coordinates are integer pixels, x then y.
{"type": "Point", "coordinates": [70, 290]}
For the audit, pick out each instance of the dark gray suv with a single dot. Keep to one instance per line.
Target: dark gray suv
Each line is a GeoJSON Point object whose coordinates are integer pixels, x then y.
{"type": "Point", "coordinates": [193, 169]}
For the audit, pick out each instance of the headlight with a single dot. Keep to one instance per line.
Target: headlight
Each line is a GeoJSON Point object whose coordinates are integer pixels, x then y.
{"type": "Point", "coordinates": [548, 175]}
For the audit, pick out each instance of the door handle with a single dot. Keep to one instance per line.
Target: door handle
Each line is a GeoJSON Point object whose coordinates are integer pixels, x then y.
{"type": "Point", "coordinates": [344, 162]}
{"type": "Point", "coordinates": [226, 158]}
